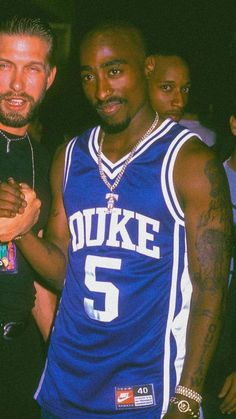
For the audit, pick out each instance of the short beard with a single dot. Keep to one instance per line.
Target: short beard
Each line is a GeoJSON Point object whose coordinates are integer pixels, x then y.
{"type": "Point", "coordinates": [16, 120]}
{"type": "Point", "coordinates": [115, 128]}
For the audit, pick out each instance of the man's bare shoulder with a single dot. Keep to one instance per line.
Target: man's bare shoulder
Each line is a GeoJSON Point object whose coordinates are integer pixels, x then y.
{"type": "Point", "coordinates": [60, 153]}
{"type": "Point", "coordinates": [194, 156]}
{"type": "Point", "coordinates": [197, 166]}
{"type": "Point", "coordinates": [196, 150]}
{"type": "Point", "coordinates": [57, 169]}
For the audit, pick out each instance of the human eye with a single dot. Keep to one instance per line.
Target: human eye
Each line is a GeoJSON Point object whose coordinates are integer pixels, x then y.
{"type": "Point", "coordinates": [4, 65]}
{"type": "Point", "coordinates": [86, 77]}
{"type": "Point", "coordinates": [34, 68]}
{"type": "Point", "coordinates": [166, 87]}
{"type": "Point", "coordinates": [186, 89]}
{"type": "Point", "coordinates": [114, 71]}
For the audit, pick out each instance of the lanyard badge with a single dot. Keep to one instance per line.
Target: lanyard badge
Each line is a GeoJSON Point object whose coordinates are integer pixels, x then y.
{"type": "Point", "coordinates": [8, 259]}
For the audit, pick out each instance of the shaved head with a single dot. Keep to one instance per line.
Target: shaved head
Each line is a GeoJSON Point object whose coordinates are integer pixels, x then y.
{"type": "Point", "coordinates": [119, 28]}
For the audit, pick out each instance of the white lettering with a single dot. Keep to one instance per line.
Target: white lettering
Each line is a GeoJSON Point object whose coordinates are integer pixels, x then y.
{"type": "Point", "coordinates": [100, 234]}
{"type": "Point", "coordinates": [122, 228]}
{"type": "Point", "coordinates": [76, 225]}
{"type": "Point", "coordinates": [117, 227]}
{"type": "Point", "coordinates": [144, 236]}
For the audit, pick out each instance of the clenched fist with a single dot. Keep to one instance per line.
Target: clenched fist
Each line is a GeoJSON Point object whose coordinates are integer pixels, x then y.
{"type": "Point", "coordinates": [23, 221]}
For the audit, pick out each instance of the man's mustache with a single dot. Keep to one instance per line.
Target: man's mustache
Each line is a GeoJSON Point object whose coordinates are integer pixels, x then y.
{"type": "Point", "coordinates": [112, 100]}
{"type": "Point", "coordinates": [10, 96]}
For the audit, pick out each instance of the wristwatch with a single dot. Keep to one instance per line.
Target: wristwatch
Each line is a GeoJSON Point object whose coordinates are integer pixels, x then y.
{"type": "Point", "coordinates": [184, 407]}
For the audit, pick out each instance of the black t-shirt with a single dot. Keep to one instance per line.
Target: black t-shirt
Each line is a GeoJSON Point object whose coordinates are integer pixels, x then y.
{"type": "Point", "coordinates": [17, 291]}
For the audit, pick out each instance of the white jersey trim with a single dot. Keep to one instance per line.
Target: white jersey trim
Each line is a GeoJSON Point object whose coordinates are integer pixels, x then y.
{"type": "Point", "coordinates": [172, 302]}
{"type": "Point", "coordinates": [176, 326]}
{"type": "Point", "coordinates": [68, 154]}
{"type": "Point", "coordinates": [179, 325]}
{"type": "Point", "coordinates": [41, 381]}
{"type": "Point", "coordinates": [167, 180]}
{"type": "Point", "coordinates": [112, 169]}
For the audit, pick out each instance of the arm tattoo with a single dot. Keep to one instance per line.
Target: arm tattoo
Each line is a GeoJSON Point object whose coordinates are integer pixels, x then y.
{"type": "Point", "coordinates": [213, 245]}
{"type": "Point", "coordinates": [218, 193]}
{"type": "Point", "coordinates": [54, 213]}
{"type": "Point", "coordinates": [213, 249]}
{"type": "Point", "coordinates": [199, 375]}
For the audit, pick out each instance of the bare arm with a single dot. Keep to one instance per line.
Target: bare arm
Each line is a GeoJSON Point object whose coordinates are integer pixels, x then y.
{"type": "Point", "coordinates": [48, 255]}
{"type": "Point", "coordinates": [203, 192]}
{"type": "Point", "coordinates": [44, 309]}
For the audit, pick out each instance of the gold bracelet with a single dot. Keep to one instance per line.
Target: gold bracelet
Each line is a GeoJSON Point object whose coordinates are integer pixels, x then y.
{"type": "Point", "coordinates": [188, 392]}
{"type": "Point", "coordinates": [184, 407]}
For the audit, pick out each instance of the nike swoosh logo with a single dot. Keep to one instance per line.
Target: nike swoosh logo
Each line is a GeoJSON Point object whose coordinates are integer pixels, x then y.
{"type": "Point", "coordinates": [123, 398]}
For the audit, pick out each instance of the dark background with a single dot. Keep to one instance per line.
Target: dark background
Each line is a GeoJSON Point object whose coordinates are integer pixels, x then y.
{"type": "Point", "coordinates": [204, 31]}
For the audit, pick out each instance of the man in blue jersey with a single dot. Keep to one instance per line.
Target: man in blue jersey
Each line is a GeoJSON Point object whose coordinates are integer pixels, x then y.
{"type": "Point", "coordinates": [141, 212]}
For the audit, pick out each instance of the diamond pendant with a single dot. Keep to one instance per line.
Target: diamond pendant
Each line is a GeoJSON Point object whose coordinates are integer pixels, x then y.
{"type": "Point", "coordinates": [112, 197]}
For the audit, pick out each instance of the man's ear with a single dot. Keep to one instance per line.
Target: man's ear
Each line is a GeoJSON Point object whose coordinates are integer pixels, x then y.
{"type": "Point", "coordinates": [150, 63]}
{"type": "Point", "coordinates": [51, 76]}
{"type": "Point", "coordinates": [232, 122]}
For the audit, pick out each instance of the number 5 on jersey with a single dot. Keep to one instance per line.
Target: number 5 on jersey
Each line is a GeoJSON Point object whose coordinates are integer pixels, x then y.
{"type": "Point", "coordinates": [110, 291]}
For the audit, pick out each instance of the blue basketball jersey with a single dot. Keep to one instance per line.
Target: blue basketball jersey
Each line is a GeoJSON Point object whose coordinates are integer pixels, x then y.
{"type": "Point", "coordinates": [118, 344]}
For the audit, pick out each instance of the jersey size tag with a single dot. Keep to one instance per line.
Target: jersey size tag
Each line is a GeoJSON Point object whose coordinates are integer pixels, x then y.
{"type": "Point", "coordinates": [8, 259]}
{"type": "Point", "coordinates": [134, 397]}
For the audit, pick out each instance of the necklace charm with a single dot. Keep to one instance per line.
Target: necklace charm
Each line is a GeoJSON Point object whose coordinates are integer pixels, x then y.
{"type": "Point", "coordinates": [112, 197]}
{"type": "Point", "coordinates": [8, 145]}
{"type": "Point", "coordinates": [9, 140]}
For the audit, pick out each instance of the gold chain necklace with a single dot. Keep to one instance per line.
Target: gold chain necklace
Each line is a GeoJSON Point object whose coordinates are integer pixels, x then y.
{"type": "Point", "coordinates": [112, 197]}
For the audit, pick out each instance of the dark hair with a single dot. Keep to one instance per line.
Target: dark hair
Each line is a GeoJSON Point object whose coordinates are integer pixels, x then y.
{"type": "Point", "coordinates": [168, 50]}
{"type": "Point", "coordinates": [32, 26]}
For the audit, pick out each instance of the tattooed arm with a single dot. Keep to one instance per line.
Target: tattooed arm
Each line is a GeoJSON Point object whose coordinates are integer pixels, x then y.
{"type": "Point", "coordinates": [48, 255]}
{"type": "Point", "coordinates": [203, 193]}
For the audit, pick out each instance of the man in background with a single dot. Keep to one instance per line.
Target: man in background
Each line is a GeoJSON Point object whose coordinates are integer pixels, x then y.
{"type": "Point", "coordinates": [170, 93]}
{"type": "Point", "coordinates": [169, 84]}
